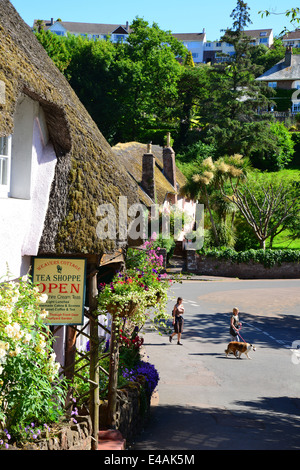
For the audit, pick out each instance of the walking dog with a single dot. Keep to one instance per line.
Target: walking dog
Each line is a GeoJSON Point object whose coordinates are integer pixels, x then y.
{"type": "Point", "coordinates": [238, 349]}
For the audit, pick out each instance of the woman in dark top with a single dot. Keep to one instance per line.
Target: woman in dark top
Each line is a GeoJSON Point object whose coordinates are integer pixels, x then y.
{"type": "Point", "coordinates": [235, 325]}
{"type": "Point", "coordinates": [178, 321]}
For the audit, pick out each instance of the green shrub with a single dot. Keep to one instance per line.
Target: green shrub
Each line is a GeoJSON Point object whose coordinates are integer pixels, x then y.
{"type": "Point", "coordinates": [266, 257]}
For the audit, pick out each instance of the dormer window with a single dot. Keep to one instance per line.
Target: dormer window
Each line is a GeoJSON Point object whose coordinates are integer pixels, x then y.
{"type": "Point", "coordinates": [263, 33]}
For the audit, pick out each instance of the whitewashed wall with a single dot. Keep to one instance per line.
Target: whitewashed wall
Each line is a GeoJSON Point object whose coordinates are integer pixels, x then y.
{"type": "Point", "coordinates": [22, 214]}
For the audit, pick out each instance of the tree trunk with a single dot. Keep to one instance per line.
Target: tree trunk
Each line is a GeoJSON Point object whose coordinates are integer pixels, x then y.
{"type": "Point", "coordinates": [262, 244]}
{"type": "Point", "coordinates": [113, 375]}
{"type": "Point", "coordinates": [211, 218]}
{"type": "Point", "coordinates": [94, 358]}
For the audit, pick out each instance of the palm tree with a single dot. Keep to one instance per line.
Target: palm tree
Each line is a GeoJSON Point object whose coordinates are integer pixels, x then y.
{"type": "Point", "coordinates": [209, 184]}
{"type": "Point", "coordinates": [197, 188]}
{"type": "Point", "coordinates": [40, 25]}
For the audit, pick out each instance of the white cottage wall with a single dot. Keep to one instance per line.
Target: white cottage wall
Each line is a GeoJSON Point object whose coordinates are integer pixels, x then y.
{"type": "Point", "coordinates": [22, 214]}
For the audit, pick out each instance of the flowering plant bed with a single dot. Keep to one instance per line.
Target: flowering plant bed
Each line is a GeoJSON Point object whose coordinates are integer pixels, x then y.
{"type": "Point", "coordinates": [29, 387]}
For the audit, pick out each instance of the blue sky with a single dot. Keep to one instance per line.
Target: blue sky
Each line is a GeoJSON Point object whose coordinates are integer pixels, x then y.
{"type": "Point", "coordinates": [175, 15]}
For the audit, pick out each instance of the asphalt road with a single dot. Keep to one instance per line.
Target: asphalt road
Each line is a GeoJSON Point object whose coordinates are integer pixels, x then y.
{"type": "Point", "coordinates": [206, 400]}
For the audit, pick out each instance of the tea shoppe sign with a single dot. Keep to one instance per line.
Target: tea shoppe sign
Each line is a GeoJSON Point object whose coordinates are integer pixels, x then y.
{"type": "Point", "coordinates": [63, 281]}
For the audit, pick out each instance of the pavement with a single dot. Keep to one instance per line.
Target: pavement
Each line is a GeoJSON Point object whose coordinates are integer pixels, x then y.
{"type": "Point", "coordinates": [205, 401]}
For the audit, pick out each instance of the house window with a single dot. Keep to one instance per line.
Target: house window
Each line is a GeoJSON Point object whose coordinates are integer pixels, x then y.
{"type": "Point", "coordinates": [263, 40]}
{"type": "Point", "coordinates": [296, 108]}
{"type": "Point", "coordinates": [218, 44]}
{"type": "Point", "coordinates": [5, 156]}
{"type": "Point", "coordinates": [263, 33]}
{"type": "Point", "coordinates": [296, 84]}
{"type": "Point", "coordinates": [195, 55]}
{"type": "Point", "coordinates": [272, 84]}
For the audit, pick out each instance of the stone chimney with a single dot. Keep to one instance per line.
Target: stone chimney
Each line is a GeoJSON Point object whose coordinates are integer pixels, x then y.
{"type": "Point", "coordinates": [288, 56]}
{"type": "Point", "coordinates": [169, 163]}
{"type": "Point", "coordinates": [148, 180]}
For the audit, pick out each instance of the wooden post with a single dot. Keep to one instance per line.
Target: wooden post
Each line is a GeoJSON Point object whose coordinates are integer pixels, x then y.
{"type": "Point", "coordinates": [70, 353]}
{"type": "Point", "coordinates": [113, 375]}
{"type": "Point", "coordinates": [94, 358]}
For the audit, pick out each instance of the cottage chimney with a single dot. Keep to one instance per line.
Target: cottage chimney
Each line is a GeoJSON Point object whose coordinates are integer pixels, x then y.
{"type": "Point", "coordinates": [127, 26]}
{"type": "Point", "coordinates": [148, 180]}
{"type": "Point", "coordinates": [169, 162]}
{"type": "Point", "coordinates": [52, 21]}
{"type": "Point", "coordinates": [288, 56]}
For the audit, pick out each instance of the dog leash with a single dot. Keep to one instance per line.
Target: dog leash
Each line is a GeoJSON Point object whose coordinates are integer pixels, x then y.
{"type": "Point", "coordinates": [241, 335]}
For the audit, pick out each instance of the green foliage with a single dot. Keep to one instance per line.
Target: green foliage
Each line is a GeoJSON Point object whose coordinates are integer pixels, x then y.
{"type": "Point", "coordinates": [266, 57]}
{"type": "Point", "coordinates": [56, 47]}
{"type": "Point", "coordinates": [245, 237]}
{"type": "Point", "coordinates": [278, 150]}
{"type": "Point", "coordinates": [189, 61]}
{"type": "Point", "coordinates": [29, 385]}
{"type": "Point", "coordinates": [282, 99]}
{"type": "Point", "coordinates": [266, 257]}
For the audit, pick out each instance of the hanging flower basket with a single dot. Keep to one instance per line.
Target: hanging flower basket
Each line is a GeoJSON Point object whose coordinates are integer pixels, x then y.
{"type": "Point", "coordinates": [124, 311]}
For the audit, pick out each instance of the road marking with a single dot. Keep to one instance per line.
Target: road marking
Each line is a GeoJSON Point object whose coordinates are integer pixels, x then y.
{"type": "Point", "coordinates": [279, 341]}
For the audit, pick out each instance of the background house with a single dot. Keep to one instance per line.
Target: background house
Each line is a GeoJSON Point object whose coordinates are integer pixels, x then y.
{"type": "Point", "coordinates": [292, 38]}
{"type": "Point", "coordinates": [116, 32]}
{"type": "Point", "coordinates": [285, 75]}
{"type": "Point", "coordinates": [202, 51]}
{"type": "Point", "coordinates": [194, 42]}
{"type": "Point", "coordinates": [213, 51]}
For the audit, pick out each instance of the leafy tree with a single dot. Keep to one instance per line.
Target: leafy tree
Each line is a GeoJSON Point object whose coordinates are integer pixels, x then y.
{"type": "Point", "coordinates": [152, 86]}
{"type": "Point", "coordinates": [189, 61]}
{"type": "Point", "coordinates": [231, 107]}
{"type": "Point", "coordinates": [266, 207]}
{"type": "Point", "coordinates": [55, 46]}
{"type": "Point", "coordinates": [267, 57]}
{"type": "Point", "coordinates": [193, 90]}
{"type": "Point", "coordinates": [278, 148]}
{"type": "Point", "coordinates": [126, 87]}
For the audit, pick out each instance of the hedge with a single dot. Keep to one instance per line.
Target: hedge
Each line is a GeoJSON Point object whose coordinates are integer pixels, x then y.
{"type": "Point", "coordinates": [266, 257]}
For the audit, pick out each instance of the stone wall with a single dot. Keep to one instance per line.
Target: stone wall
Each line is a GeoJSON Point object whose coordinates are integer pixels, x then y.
{"type": "Point", "coordinates": [209, 266]}
{"type": "Point", "coordinates": [70, 436]}
{"type": "Point", "coordinates": [133, 410]}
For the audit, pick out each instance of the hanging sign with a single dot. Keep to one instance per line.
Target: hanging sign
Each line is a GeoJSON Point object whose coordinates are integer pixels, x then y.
{"type": "Point", "coordinates": [63, 281]}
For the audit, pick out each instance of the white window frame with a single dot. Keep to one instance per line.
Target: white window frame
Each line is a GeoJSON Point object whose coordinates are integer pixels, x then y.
{"type": "Point", "coordinates": [295, 108]}
{"type": "Point", "coordinates": [272, 84]}
{"type": "Point", "coordinates": [296, 84]}
{"type": "Point", "coordinates": [5, 165]}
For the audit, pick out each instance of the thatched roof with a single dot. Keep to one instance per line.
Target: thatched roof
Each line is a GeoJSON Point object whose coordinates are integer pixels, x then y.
{"type": "Point", "coordinates": [130, 156]}
{"type": "Point", "coordinates": [87, 172]}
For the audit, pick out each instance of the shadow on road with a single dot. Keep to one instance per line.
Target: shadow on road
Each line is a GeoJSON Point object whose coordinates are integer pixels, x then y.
{"type": "Point", "coordinates": [215, 328]}
{"type": "Point", "coordinates": [268, 423]}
